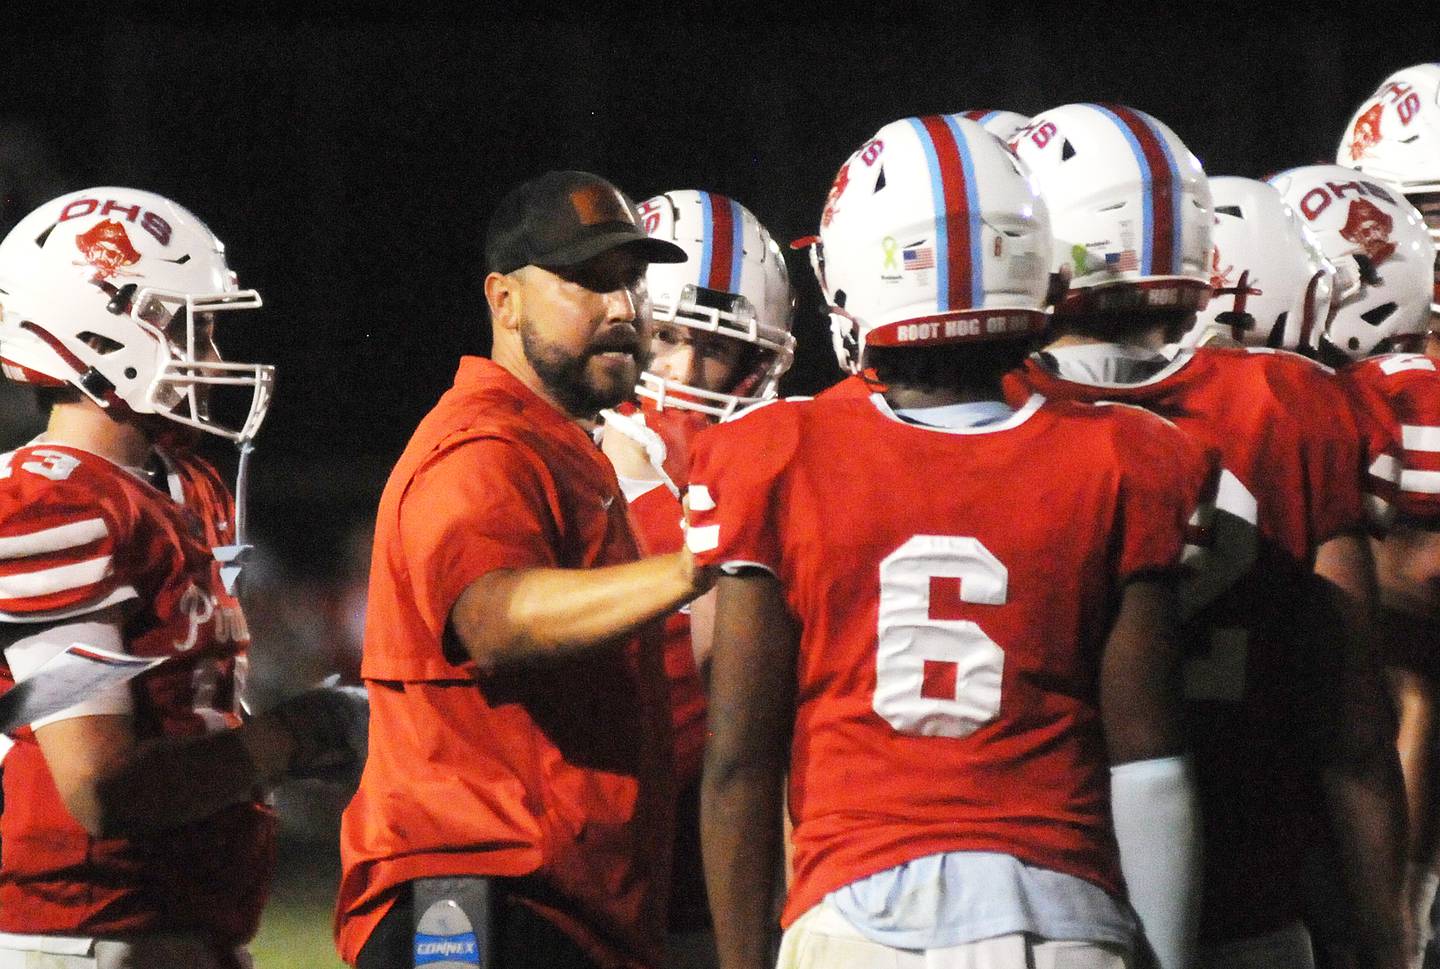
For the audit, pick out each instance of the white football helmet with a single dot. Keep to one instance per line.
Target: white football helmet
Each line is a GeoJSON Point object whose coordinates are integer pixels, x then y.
{"type": "Point", "coordinates": [1395, 136]}
{"type": "Point", "coordinates": [931, 234]}
{"type": "Point", "coordinates": [1272, 284]}
{"type": "Point", "coordinates": [1382, 255]}
{"type": "Point", "coordinates": [734, 284]}
{"type": "Point", "coordinates": [1005, 125]}
{"type": "Point", "coordinates": [108, 290]}
{"type": "Point", "coordinates": [1129, 208]}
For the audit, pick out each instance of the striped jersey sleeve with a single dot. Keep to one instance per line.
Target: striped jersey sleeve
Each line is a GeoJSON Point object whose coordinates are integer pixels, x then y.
{"type": "Point", "coordinates": [734, 497]}
{"type": "Point", "coordinates": [1403, 391]}
{"type": "Point", "coordinates": [58, 538]}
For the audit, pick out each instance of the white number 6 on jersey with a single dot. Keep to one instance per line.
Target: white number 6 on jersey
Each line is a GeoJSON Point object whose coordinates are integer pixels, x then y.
{"type": "Point", "coordinates": [937, 675]}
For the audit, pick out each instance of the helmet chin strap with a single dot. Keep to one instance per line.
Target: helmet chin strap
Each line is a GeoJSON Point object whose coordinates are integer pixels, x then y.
{"type": "Point", "coordinates": [95, 384]}
{"type": "Point", "coordinates": [232, 557]}
{"type": "Point", "coordinates": [634, 427]}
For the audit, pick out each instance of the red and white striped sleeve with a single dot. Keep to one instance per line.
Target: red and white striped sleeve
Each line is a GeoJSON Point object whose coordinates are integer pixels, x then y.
{"type": "Point", "coordinates": [1404, 388]}
{"type": "Point", "coordinates": [59, 538]}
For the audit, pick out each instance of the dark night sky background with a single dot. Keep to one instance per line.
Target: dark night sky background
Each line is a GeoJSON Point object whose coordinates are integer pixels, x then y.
{"type": "Point", "coordinates": [350, 162]}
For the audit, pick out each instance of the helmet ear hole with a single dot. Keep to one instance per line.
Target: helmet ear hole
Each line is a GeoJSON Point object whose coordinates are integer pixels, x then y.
{"type": "Point", "coordinates": [840, 298]}
{"type": "Point", "coordinates": [1379, 314]}
{"type": "Point", "coordinates": [1067, 150]}
{"type": "Point", "coordinates": [100, 344]}
{"type": "Point", "coordinates": [880, 179]}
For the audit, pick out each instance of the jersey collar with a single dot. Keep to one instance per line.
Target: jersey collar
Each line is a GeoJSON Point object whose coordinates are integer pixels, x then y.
{"type": "Point", "coordinates": [1014, 420]}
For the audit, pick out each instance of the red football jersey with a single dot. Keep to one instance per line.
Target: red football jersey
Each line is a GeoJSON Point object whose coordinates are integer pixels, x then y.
{"type": "Point", "coordinates": [954, 590]}
{"type": "Point", "coordinates": [853, 385]}
{"type": "Point", "coordinates": [656, 516]}
{"type": "Point", "coordinates": [78, 533]}
{"type": "Point", "coordinates": [559, 770]}
{"type": "Point", "coordinates": [1401, 393]}
{"type": "Point", "coordinates": [1260, 663]}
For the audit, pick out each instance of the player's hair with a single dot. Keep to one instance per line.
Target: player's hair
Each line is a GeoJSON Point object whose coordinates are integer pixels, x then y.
{"type": "Point", "coordinates": [1124, 325]}
{"type": "Point", "coordinates": [961, 367]}
{"type": "Point", "coordinates": [47, 397]}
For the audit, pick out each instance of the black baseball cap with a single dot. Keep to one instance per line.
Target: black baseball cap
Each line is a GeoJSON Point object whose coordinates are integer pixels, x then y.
{"type": "Point", "coordinates": [563, 219]}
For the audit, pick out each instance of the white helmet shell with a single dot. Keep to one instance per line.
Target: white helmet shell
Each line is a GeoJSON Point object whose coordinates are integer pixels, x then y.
{"type": "Point", "coordinates": [1005, 125]}
{"type": "Point", "coordinates": [1272, 284]}
{"type": "Point", "coordinates": [931, 234]}
{"type": "Point", "coordinates": [734, 283]}
{"type": "Point", "coordinates": [1382, 254]}
{"type": "Point", "coordinates": [1129, 207]}
{"type": "Point", "coordinates": [101, 290]}
{"type": "Point", "coordinates": [1395, 136]}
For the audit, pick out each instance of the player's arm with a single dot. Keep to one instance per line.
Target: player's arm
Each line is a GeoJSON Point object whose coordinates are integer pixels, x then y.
{"type": "Point", "coordinates": [1153, 796]}
{"type": "Point", "coordinates": [1416, 744]}
{"type": "Point", "coordinates": [702, 632]}
{"type": "Point", "coordinates": [1361, 776]}
{"type": "Point", "coordinates": [114, 784]}
{"type": "Point", "coordinates": [479, 529]}
{"type": "Point", "coordinates": [751, 713]}
{"type": "Point", "coordinates": [514, 616]}
{"type": "Point", "coordinates": [1408, 569]}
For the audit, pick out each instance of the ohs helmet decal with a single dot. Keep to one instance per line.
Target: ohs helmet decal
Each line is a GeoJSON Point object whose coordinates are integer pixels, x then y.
{"type": "Point", "coordinates": [107, 247]}
{"type": "Point", "coordinates": [1383, 257]}
{"type": "Point", "coordinates": [1366, 133]}
{"type": "Point", "coordinates": [1395, 136]}
{"type": "Point", "coordinates": [1369, 228]}
{"type": "Point", "coordinates": [124, 322]}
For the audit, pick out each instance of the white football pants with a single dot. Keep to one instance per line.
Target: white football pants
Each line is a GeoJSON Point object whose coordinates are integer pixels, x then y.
{"type": "Point", "coordinates": [178, 951]}
{"type": "Point", "coordinates": [1285, 948]}
{"type": "Point", "coordinates": [822, 938]}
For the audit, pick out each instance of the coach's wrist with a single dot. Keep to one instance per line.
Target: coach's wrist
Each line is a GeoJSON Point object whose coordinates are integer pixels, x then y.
{"type": "Point", "coordinates": [698, 578]}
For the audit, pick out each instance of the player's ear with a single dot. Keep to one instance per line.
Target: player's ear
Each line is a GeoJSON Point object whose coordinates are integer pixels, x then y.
{"type": "Point", "coordinates": [505, 295]}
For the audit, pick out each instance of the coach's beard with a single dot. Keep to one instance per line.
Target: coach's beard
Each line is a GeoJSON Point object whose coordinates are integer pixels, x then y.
{"type": "Point", "coordinates": [588, 382]}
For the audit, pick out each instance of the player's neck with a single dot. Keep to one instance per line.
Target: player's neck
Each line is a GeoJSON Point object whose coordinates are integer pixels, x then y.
{"type": "Point", "coordinates": [902, 397]}
{"type": "Point", "coordinates": [84, 425]}
{"type": "Point", "coordinates": [1151, 339]}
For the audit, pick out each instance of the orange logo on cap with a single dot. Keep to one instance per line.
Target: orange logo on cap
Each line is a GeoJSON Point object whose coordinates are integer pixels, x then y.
{"type": "Point", "coordinates": [1369, 228]}
{"type": "Point", "coordinates": [1366, 132]}
{"type": "Point", "coordinates": [107, 247]}
{"type": "Point", "coordinates": [596, 205]}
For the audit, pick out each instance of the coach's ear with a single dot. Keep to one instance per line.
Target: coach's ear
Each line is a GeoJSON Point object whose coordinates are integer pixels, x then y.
{"type": "Point", "coordinates": [504, 294]}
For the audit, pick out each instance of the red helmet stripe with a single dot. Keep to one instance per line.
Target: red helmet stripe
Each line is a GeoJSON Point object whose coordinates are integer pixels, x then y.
{"type": "Point", "coordinates": [722, 241]}
{"type": "Point", "coordinates": [956, 211]}
{"type": "Point", "coordinates": [1163, 188]}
